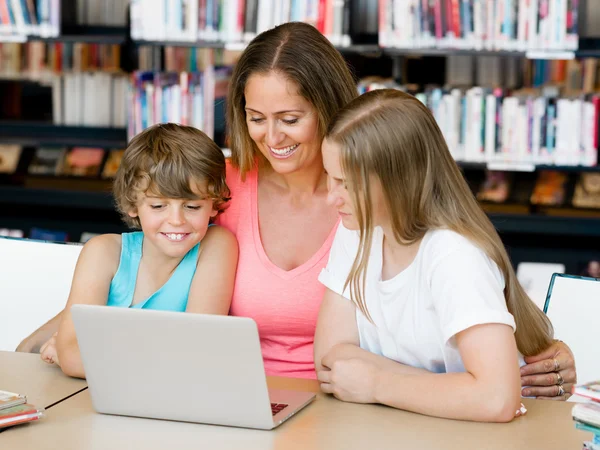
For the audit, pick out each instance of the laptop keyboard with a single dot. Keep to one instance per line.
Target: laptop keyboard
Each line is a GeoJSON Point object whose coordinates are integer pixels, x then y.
{"type": "Point", "coordinates": [277, 407]}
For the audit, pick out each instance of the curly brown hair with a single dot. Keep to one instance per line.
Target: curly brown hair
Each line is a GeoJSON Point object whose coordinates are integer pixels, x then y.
{"type": "Point", "coordinates": [170, 160]}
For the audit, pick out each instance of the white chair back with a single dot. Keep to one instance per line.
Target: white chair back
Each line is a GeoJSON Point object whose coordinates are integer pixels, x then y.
{"type": "Point", "coordinates": [35, 280]}
{"type": "Point", "coordinates": [573, 306]}
{"type": "Point", "coordinates": [535, 278]}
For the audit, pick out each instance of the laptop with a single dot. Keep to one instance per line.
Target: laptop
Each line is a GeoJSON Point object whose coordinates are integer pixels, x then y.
{"type": "Point", "coordinates": [179, 366]}
{"type": "Point", "coordinates": [573, 307]}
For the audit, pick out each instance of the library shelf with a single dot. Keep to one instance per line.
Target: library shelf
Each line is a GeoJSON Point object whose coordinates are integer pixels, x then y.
{"type": "Point", "coordinates": [78, 33]}
{"type": "Point", "coordinates": [523, 167]}
{"type": "Point", "coordinates": [63, 198]}
{"type": "Point", "coordinates": [46, 134]}
{"type": "Point", "coordinates": [578, 223]}
{"type": "Point", "coordinates": [546, 224]}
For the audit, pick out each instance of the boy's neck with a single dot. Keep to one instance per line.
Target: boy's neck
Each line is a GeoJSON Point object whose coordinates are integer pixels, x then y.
{"type": "Point", "coordinates": [156, 261]}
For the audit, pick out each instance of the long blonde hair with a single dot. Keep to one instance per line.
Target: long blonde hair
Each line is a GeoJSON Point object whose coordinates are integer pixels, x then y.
{"type": "Point", "coordinates": [393, 136]}
{"type": "Point", "coordinates": [304, 56]}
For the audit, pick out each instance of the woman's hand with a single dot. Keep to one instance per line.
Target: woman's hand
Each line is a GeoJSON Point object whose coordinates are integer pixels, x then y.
{"type": "Point", "coordinates": [48, 351]}
{"type": "Point", "coordinates": [551, 374]}
{"type": "Point", "coordinates": [351, 379]}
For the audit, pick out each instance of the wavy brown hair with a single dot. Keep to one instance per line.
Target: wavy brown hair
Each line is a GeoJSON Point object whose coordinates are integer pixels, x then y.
{"type": "Point", "coordinates": [302, 55]}
{"type": "Point", "coordinates": [170, 160]}
{"type": "Point", "coordinates": [391, 135]}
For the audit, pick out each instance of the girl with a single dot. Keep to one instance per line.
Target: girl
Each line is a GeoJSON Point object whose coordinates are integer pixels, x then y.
{"type": "Point", "coordinates": [171, 185]}
{"type": "Point", "coordinates": [437, 318]}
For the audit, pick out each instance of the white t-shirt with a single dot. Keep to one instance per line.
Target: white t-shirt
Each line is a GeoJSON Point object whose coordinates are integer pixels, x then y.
{"type": "Point", "coordinates": [450, 286]}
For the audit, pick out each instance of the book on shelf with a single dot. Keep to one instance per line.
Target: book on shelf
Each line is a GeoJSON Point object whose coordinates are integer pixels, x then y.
{"type": "Point", "coordinates": [86, 236]}
{"type": "Point", "coordinates": [587, 191]}
{"type": "Point", "coordinates": [510, 25]}
{"type": "Point", "coordinates": [499, 127]}
{"type": "Point", "coordinates": [21, 18]}
{"type": "Point", "coordinates": [495, 188]}
{"type": "Point", "coordinates": [47, 161]}
{"type": "Point", "coordinates": [82, 162]}
{"type": "Point", "coordinates": [112, 163]}
{"type": "Point", "coordinates": [8, 232]}
{"type": "Point", "coordinates": [102, 12]}
{"type": "Point", "coordinates": [48, 235]}
{"type": "Point", "coordinates": [185, 98]}
{"type": "Point", "coordinates": [9, 158]}
{"type": "Point", "coordinates": [549, 188]}
{"type": "Point", "coordinates": [234, 21]}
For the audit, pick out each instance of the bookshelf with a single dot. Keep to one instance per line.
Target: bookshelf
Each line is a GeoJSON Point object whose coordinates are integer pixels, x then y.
{"type": "Point", "coordinates": [86, 205]}
{"type": "Point", "coordinates": [44, 134]}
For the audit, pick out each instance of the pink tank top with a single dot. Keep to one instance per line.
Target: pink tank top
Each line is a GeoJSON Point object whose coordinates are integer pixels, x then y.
{"type": "Point", "coordinates": [284, 304]}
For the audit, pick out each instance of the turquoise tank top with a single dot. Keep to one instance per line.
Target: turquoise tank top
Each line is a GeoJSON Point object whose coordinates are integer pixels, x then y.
{"type": "Point", "coordinates": [172, 296]}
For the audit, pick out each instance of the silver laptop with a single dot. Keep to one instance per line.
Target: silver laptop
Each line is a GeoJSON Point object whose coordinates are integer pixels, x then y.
{"type": "Point", "coordinates": [179, 366]}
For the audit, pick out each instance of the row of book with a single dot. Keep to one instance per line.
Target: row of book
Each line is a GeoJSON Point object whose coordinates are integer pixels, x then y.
{"type": "Point", "coordinates": [36, 59]}
{"type": "Point", "coordinates": [500, 126]}
{"type": "Point", "coordinates": [96, 99]}
{"type": "Point", "coordinates": [187, 98]}
{"type": "Point", "coordinates": [235, 21]}
{"type": "Point", "coordinates": [572, 76]}
{"type": "Point", "coordinates": [183, 59]}
{"type": "Point", "coordinates": [587, 415]}
{"type": "Point", "coordinates": [20, 18]}
{"type": "Point", "coordinates": [551, 188]}
{"type": "Point", "coordinates": [63, 161]}
{"type": "Point", "coordinates": [513, 25]}
{"type": "Point", "coordinates": [102, 12]}
{"type": "Point", "coordinates": [15, 410]}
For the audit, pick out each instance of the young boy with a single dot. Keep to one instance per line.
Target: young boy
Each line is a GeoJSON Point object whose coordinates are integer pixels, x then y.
{"type": "Point", "coordinates": [171, 185]}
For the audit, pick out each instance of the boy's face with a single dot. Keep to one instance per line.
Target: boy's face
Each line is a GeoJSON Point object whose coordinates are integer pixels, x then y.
{"type": "Point", "coordinates": [173, 226]}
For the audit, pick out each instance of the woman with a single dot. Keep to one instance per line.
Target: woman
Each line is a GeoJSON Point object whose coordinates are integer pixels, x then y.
{"type": "Point", "coordinates": [436, 313]}
{"type": "Point", "coordinates": [285, 89]}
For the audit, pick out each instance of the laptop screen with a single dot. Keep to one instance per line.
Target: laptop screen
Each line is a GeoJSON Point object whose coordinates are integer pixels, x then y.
{"type": "Point", "coordinates": [573, 307]}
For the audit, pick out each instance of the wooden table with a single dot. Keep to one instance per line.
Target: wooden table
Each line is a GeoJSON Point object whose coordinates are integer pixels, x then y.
{"type": "Point", "coordinates": [325, 424]}
{"type": "Point", "coordinates": [43, 384]}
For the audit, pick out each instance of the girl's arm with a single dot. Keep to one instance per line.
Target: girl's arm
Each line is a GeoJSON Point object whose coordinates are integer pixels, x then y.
{"type": "Point", "coordinates": [337, 338]}
{"type": "Point", "coordinates": [489, 390]}
{"type": "Point", "coordinates": [212, 285]}
{"type": "Point", "coordinates": [96, 267]}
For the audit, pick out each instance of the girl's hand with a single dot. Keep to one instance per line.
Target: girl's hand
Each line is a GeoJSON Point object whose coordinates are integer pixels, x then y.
{"type": "Point", "coordinates": [350, 380]}
{"type": "Point", "coordinates": [48, 351]}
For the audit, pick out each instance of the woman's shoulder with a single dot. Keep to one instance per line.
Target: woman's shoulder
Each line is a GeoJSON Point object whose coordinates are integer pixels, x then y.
{"type": "Point", "coordinates": [234, 179]}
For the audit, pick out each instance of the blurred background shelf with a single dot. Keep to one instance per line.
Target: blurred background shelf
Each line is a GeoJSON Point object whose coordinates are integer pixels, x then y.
{"type": "Point", "coordinates": [40, 134]}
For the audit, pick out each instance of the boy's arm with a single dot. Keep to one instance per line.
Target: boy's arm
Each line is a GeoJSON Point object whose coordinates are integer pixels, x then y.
{"type": "Point", "coordinates": [33, 342]}
{"type": "Point", "coordinates": [212, 285]}
{"type": "Point", "coordinates": [96, 266]}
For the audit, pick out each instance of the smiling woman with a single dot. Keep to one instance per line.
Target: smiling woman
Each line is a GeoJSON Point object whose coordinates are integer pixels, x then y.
{"type": "Point", "coordinates": [285, 88]}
